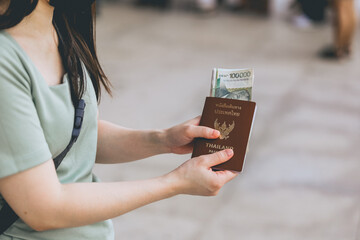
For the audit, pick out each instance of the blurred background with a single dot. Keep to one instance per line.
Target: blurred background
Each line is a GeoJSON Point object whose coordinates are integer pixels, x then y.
{"type": "Point", "coordinates": [302, 175]}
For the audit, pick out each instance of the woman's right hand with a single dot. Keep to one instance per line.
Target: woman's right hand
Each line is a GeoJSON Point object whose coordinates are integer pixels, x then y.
{"type": "Point", "coordinates": [195, 176]}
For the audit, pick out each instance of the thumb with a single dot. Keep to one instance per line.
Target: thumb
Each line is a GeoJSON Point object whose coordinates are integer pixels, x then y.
{"type": "Point", "coordinates": [220, 157]}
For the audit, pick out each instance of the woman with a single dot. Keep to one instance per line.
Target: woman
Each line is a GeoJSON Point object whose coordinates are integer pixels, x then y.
{"type": "Point", "coordinates": [47, 63]}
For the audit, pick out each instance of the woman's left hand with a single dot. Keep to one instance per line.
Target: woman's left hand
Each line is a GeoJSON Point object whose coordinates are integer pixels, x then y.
{"type": "Point", "coordinates": [179, 139]}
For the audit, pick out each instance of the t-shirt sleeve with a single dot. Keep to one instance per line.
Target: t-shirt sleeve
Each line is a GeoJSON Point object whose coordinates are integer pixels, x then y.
{"type": "Point", "coordinates": [22, 141]}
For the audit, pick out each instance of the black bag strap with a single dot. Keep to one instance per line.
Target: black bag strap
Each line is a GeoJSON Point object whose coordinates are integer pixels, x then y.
{"type": "Point", "coordinates": [7, 215]}
{"type": "Point", "coordinates": [79, 116]}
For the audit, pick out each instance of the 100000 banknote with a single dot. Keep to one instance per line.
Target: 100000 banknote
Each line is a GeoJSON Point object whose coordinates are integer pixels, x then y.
{"type": "Point", "coordinates": [232, 83]}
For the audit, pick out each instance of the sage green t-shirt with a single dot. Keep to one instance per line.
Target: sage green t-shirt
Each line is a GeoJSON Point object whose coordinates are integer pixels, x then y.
{"type": "Point", "coordinates": [36, 122]}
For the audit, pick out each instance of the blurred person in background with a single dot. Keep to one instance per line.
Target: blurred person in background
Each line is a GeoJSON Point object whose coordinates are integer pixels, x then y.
{"type": "Point", "coordinates": [258, 6]}
{"type": "Point", "coordinates": [308, 12]}
{"type": "Point", "coordinates": [211, 5]}
{"type": "Point", "coordinates": [344, 25]}
{"type": "Point", "coordinates": [48, 63]}
{"type": "Point", "coordinates": [162, 4]}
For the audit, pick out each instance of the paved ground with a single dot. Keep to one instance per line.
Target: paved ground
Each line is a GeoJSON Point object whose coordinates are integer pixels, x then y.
{"type": "Point", "coordinates": [301, 179]}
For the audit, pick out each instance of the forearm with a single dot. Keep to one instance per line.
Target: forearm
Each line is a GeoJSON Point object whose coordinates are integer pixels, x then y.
{"type": "Point", "coordinates": [117, 144]}
{"type": "Point", "coordinates": [86, 203]}
{"type": "Point", "coordinates": [51, 205]}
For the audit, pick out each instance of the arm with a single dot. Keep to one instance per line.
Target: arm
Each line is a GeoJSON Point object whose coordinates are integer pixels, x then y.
{"type": "Point", "coordinates": [117, 144]}
{"type": "Point", "coordinates": [51, 205]}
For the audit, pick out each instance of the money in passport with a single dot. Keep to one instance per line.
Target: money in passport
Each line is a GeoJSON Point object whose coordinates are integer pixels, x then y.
{"type": "Point", "coordinates": [229, 109]}
{"type": "Point", "coordinates": [232, 83]}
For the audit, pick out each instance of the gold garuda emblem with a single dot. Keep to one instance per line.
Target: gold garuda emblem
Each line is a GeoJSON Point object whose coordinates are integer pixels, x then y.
{"type": "Point", "coordinates": [224, 129]}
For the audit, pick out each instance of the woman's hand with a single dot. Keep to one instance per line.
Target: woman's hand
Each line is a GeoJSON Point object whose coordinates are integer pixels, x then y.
{"type": "Point", "coordinates": [179, 139]}
{"type": "Point", "coordinates": [195, 177]}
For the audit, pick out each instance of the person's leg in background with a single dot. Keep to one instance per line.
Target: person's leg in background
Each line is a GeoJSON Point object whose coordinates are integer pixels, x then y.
{"type": "Point", "coordinates": [345, 25]}
{"type": "Point", "coordinates": [344, 29]}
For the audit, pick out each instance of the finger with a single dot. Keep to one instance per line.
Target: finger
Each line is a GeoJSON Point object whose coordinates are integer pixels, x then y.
{"type": "Point", "coordinates": [219, 157]}
{"type": "Point", "coordinates": [202, 132]}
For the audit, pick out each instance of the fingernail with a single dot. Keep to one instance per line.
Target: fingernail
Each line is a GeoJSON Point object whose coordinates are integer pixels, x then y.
{"type": "Point", "coordinates": [229, 152]}
{"type": "Point", "coordinates": [216, 133]}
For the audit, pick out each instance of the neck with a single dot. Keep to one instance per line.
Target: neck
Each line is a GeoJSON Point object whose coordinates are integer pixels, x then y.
{"type": "Point", "coordinates": [39, 21]}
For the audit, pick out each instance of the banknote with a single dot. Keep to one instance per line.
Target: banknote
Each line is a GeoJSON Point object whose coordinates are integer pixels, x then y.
{"type": "Point", "coordinates": [232, 83]}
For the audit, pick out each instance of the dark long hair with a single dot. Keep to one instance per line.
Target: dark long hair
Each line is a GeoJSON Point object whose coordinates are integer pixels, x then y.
{"type": "Point", "coordinates": [74, 23]}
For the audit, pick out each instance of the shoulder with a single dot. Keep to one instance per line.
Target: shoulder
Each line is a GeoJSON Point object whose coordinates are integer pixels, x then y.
{"type": "Point", "coordinates": [7, 47]}
{"type": "Point", "coordinates": [13, 63]}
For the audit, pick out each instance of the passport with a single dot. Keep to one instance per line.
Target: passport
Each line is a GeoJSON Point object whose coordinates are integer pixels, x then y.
{"type": "Point", "coordinates": [234, 119]}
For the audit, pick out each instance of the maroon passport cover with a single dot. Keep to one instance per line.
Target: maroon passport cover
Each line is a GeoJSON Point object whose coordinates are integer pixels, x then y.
{"type": "Point", "coordinates": [233, 118]}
